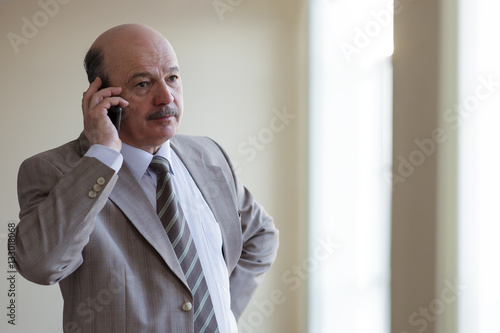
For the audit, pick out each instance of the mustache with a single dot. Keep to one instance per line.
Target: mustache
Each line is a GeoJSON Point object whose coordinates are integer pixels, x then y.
{"type": "Point", "coordinates": [166, 111]}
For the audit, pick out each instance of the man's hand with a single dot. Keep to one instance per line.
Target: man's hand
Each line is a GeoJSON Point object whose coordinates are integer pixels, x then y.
{"type": "Point", "coordinates": [96, 124]}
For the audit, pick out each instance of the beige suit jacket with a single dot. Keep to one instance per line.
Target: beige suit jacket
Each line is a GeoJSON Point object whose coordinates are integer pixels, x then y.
{"type": "Point", "coordinates": [95, 233]}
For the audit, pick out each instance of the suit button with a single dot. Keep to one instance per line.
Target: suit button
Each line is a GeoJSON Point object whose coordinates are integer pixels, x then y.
{"type": "Point", "coordinates": [92, 194]}
{"type": "Point", "coordinates": [101, 181]}
{"type": "Point", "coordinates": [187, 306]}
{"type": "Point", "coordinates": [96, 187]}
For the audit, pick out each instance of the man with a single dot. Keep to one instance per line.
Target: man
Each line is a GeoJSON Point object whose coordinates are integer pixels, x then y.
{"type": "Point", "coordinates": [89, 217]}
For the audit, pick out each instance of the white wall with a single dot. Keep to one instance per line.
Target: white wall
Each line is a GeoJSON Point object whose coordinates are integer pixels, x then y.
{"type": "Point", "coordinates": [239, 71]}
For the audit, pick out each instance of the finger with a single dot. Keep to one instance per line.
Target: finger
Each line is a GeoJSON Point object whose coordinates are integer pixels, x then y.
{"type": "Point", "coordinates": [108, 92]}
{"type": "Point", "coordinates": [93, 96]}
{"type": "Point", "coordinates": [93, 88]}
{"type": "Point", "coordinates": [103, 94]}
{"type": "Point", "coordinates": [96, 99]}
{"type": "Point", "coordinates": [111, 101]}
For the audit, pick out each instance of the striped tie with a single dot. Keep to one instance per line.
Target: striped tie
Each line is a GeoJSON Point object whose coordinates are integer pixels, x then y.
{"type": "Point", "coordinates": [174, 222]}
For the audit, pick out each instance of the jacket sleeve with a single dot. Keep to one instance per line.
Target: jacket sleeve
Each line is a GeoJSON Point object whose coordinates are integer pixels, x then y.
{"type": "Point", "coordinates": [58, 209]}
{"type": "Point", "coordinates": [259, 248]}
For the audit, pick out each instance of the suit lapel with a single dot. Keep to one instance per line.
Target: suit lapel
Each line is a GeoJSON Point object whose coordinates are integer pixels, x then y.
{"type": "Point", "coordinates": [129, 196]}
{"type": "Point", "coordinates": [133, 202]}
{"type": "Point", "coordinates": [210, 182]}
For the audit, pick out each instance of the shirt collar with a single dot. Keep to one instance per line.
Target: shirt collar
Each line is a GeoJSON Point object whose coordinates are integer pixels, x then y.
{"type": "Point", "coordinates": [138, 160]}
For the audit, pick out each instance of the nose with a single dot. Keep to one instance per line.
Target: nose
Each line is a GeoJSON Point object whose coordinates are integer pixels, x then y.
{"type": "Point", "coordinates": [163, 95]}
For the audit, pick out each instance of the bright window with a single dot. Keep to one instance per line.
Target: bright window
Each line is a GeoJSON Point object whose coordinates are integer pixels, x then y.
{"type": "Point", "coordinates": [350, 160]}
{"type": "Point", "coordinates": [478, 117]}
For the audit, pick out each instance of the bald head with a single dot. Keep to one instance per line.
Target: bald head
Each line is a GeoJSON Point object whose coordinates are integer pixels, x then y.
{"type": "Point", "coordinates": [121, 42]}
{"type": "Point", "coordinates": [121, 36]}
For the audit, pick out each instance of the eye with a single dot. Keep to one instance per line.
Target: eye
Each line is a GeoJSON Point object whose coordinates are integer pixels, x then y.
{"type": "Point", "coordinates": [142, 84]}
{"type": "Point", "coordinates": [173, 78]}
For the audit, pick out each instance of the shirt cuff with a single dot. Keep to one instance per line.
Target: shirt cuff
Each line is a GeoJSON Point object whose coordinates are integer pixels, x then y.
{"type": "Point", "coordinates": [106, 155]}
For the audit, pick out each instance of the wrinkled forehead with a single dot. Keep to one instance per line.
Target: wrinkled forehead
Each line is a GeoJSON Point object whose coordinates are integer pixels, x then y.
{"type": "Point", "coordinates": [127, 56]}
{"type": "Point", "coordinates": [129, 37]}
{"type": "Point", "coordinates": [150, 52]}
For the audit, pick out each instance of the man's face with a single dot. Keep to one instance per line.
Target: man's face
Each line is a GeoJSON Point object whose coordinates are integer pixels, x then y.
{"type": "Point", "coordinates": [148, 73]}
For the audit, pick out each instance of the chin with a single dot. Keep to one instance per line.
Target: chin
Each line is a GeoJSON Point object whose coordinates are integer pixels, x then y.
{"type": "Point", "coordinates": [167, 135]}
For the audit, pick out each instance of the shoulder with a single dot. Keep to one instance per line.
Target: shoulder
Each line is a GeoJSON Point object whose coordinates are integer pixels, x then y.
{"type": "Point", "coordinates": [205, 146]}
{"type": "Point", "coordinates": [64, 156]}
{"type": "Point", "coordinates": [197, 150]}
{"type": "Point", "coordinates": [181, 140]}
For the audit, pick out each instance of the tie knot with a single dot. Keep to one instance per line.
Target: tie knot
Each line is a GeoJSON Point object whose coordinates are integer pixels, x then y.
{"type": "Point", "coordinates": [160, 165]}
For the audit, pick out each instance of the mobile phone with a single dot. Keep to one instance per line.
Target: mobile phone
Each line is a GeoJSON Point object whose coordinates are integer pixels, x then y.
{"type": "Point", "coordinates": [115, 114]}
{"type": "Point", "coordinates": [115, 111]}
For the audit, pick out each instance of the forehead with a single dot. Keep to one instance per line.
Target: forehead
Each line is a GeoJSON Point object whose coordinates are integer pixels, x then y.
{"type": "Point", "coordinates": [153, 56]}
